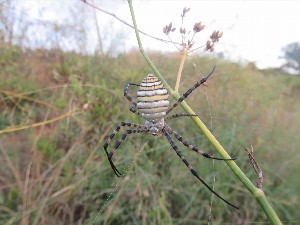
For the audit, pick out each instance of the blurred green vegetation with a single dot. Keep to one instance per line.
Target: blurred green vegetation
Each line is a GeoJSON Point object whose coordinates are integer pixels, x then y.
{"type": "Point", "coordinates": [59, 173]}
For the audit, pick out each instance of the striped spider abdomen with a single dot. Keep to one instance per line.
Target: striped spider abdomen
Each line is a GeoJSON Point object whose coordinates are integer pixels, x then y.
{"type": "Point", "coordinates": [153, 99]}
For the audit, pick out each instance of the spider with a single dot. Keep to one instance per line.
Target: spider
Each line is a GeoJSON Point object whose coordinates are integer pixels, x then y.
{"type": "Point", "coordinates": [153, 105]}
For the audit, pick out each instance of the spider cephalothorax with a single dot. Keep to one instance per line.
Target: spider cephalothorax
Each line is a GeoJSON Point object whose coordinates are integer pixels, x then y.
{"type": "Point", "coordinates": [153, 105]}
{"type": "Point", "coordinates": [155, 128]}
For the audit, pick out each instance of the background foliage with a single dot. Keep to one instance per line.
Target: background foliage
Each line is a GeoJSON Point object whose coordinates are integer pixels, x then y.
{"type": "Point", "coordinates": [59, 174]}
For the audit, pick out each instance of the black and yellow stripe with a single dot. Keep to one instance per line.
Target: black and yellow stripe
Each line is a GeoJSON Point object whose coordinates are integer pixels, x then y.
{"type": "Point", "coordinates": [152, 99]}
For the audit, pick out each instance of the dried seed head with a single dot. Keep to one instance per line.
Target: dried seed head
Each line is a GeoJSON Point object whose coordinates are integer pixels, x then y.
{"type": "Point", "coordinates": [190, 44]}
{"type": "Point", "coordinates": [209, 46]}
{"type": "Point", "coordinates": [182, 30]}
{"type": "Point", "coordinates": [184, 11]}
{"type": "Point", "coordinates": [198, 27]}
{"type": "Point", "coordinates": [216, 35]}
{"type": "Point", "coordinates": [168, 28]}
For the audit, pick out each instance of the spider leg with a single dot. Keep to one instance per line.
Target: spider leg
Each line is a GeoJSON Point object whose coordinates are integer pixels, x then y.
{"type": "Point", "coordinates": [179, 115]}
{"type": "Point", "coordinates": [126, 88]}
{"type": "Point", "coordinates": [188, 92]}
{"type": "Point", "coordinates": [116, 171]}
{"type": "Point", "coordinates": [112, 135]}
{"type": "Point", "coordinates": [132, 108]}
{"type": "Point", "coordinates": [122, 124]}
{"type": "Point", "coordinates": [185, 143]}
{"type": "Point", "coordinates": [118, 143]}
{"type": "Point", "coordinates": [189, 166]}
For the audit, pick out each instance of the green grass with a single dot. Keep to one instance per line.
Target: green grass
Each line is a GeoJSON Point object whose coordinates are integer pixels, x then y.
{"type": "Point", "coordinates": [59, 174]}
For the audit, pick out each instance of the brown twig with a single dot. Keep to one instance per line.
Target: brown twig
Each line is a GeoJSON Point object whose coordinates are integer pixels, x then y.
{"type": "Point", "coordinates": [11, 94]}
{"type": "Point", "coordinates": [183, 57]}
{"type": "Point", "coordinates": [24, 127]}
{"type": "Point", "coordinates": [123, 21]}
{"type": "Point", "coordinates": [256, 168]}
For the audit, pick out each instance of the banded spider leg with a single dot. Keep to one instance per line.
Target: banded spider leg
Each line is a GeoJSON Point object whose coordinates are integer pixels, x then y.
{"type": "Point", "coordinates": [194, 172]}
{"type": "Point", "coordinates": [140, 129]}
{"type": "Point", "coordinates": [188, 92]}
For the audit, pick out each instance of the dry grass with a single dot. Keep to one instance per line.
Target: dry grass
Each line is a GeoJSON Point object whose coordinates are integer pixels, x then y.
{"type": "Point", "coordinates": [58, 174]}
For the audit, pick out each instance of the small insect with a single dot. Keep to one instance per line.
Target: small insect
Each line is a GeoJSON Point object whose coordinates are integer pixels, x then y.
{"type": "Point", "coordinates": [153, 105]}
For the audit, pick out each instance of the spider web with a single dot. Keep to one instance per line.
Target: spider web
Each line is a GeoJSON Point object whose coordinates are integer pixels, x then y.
{"type": "Point", "coordinates": [105, 204]}
{"type": "Point", "coordinates": [205, 91]}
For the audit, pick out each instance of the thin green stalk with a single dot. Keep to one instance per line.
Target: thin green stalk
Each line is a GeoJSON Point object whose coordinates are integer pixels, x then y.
{"type": "Point", "coordinates": [184, 54]}
{"type": "Point", "coordinates": [258, 194]}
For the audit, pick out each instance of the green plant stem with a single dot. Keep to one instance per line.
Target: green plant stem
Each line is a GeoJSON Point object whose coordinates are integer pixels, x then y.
{"type": "Point", "coordinates": [258, 194]}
